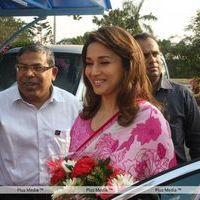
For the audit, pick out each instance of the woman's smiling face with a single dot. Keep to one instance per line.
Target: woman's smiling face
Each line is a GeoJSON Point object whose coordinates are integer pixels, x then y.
{"type": "Point", "coordinates": [103, 69]}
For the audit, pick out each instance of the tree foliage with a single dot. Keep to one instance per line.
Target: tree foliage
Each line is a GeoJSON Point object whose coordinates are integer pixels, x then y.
{"type": "Point", "coordinates": [194, 26]}
{"type": "Point", "coordinates": [42, 32]}
{"type": "Point", "coordinates": [183, 57]}
{"type": "Point", "coordinates": [129, 18]}
{"type": "Point", "coordinates": [76, 40]}
{"type": "Point", "coordinates": [9, 25]}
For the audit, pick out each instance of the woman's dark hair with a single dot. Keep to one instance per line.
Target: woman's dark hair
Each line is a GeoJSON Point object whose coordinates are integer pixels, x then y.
{"type": "Point", "coordinates": [135, 84]}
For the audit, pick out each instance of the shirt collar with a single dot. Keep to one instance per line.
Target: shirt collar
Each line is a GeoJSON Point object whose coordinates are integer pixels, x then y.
{"type": "Point", "coordinates": [165, 84]}
{"type": "Point", "coordinates": [55, 95]}
{"type": "Point", "coordinates": [16, 93]}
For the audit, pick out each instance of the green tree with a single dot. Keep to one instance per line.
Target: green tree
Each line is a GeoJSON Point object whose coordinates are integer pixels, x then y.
{"type": "Point", "coordinates": [194, 26]}
{"type": "Point", "coordinates": [76, 40]}
{"type": "Point", "coordinates": [182, 58]}
{"type": "Point", "coordinates": [165, 47]}
{"type": "Point", "coordinates": [194, 43]}
{"type": "Point", "coordinates": [42, 32]}
{"type": "Point", "coordinates": [129, 18]}
{"type": "Point", "coordinates": [9, 25]}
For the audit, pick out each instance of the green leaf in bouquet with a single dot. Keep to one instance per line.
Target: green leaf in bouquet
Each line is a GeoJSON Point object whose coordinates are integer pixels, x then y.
{"type": "Point", "coordinates": [104, 162]}
{"type": "Point", "coordinates": [79, 182]}
{"type": "Point", "coordinates": [107, 161]}
{"type": "Point", "coordinates": [70, 167]}
{"type": "Point", "coordinates": [100, 177]}
{"type": "Point", "coordinates": [91, 180]}
{"type": "Point", "coordinates": [96, 170]}
{"type": "Point", "coordinates": [60, 183]}
{"type": "Point", "coordinates": [106, 170]}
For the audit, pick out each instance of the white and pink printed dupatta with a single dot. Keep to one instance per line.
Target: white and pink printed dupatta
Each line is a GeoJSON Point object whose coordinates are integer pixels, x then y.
{"type": "Point", "coordinates": [142, 149]}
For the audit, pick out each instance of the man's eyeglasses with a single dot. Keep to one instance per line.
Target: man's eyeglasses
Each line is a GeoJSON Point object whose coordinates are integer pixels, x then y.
{"type": "Point", "coordinates": [36, 68]}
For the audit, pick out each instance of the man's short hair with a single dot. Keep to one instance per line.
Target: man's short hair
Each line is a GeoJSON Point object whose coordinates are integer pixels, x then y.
{"type": "Point", "coordinates": [37, 47]}
{"type": "Point", "coordinates": [143, 36]}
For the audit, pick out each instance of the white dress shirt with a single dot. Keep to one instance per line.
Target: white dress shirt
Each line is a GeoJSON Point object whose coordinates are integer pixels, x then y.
{"type": "Point", "coordinates": [29, 136]}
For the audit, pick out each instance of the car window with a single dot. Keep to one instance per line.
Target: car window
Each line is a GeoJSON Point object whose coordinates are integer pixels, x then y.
{"type": "Point", "coordinates": [192, 179]}
{"type": "Point", "coordinates": [171, 184]}
{"type": "Point", "coordinates": [69, 71]}
{"type": "Point", "coordinates": [189, 180]}
{"type": "Point", "coordinates": [7, 70]}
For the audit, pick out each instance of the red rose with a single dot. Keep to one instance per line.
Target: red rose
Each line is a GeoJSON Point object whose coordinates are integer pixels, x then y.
{"type": "Point", "coordinates": [83, 166]}
{"type": "Point", "coordinates": [58, 176]}
{"type": "Point", "coordinates": [56, 170]}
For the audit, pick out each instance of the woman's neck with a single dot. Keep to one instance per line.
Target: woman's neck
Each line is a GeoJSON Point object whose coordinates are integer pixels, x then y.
{"type": "Point", "coordinates": [107, 110]}
{"type": "Point", "coordinates": [109, 105]}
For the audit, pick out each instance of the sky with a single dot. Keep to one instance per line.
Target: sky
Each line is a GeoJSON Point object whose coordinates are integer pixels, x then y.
{"type": "Point", "coordinates": [173, 17]}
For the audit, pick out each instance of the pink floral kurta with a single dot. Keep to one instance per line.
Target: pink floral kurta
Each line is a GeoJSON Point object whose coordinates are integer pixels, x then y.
{"type": "Point", "coordinates": [142, 149]}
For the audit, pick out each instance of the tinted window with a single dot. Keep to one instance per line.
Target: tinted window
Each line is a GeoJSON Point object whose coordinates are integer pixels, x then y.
{"type": "Point", "coordinates": [69, 71]}
{"type": "Point", "coordinates": [192, 179]}
{"type": "Point", "coordinates": [7, 71]}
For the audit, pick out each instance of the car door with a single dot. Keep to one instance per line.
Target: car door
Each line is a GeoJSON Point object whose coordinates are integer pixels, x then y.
{"type": "Point", "coordinates": [180, 183]}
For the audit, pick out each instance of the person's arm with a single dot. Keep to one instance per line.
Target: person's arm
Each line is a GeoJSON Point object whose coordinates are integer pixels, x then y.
{"type": "Point", "coordinates": [197, 97]}
{"type": "Point", "coordinates": [192, 125]}
{"type": "Point", "coordinates": [195, 85]}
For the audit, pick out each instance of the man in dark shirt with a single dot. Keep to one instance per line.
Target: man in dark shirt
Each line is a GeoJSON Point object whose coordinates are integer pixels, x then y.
{"type": "Point", "coordinates": [180, 107]}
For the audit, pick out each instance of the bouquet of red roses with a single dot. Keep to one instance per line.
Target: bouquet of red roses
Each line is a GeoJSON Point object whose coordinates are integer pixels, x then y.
{"type": "Point", "coordinates": [86, 171]}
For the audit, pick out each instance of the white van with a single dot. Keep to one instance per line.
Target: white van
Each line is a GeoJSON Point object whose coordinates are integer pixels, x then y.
{"type": "Point", "coordinates": [69, 63]}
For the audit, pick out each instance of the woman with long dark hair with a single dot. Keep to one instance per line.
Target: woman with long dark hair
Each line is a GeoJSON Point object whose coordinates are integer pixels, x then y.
{"type": "Point", "coordinates": [120, 118]}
